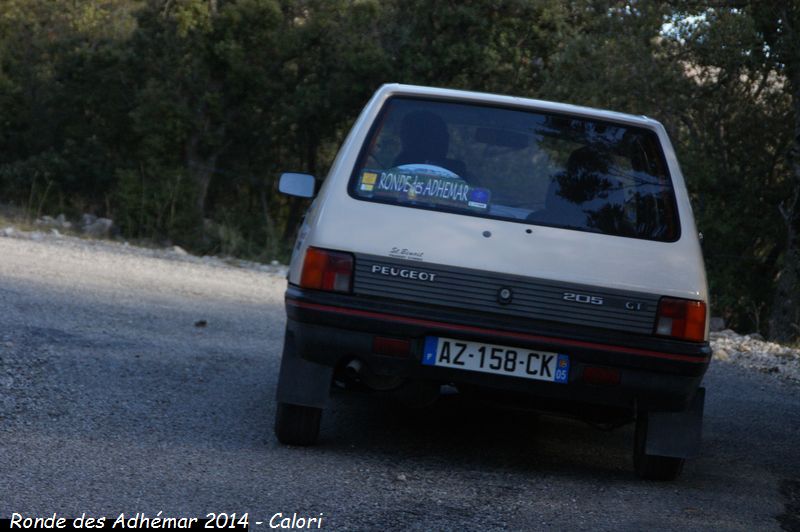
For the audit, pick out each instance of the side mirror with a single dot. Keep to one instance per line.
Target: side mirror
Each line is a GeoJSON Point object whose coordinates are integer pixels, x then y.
{"type": "Point", "coordinates": [302, 185]}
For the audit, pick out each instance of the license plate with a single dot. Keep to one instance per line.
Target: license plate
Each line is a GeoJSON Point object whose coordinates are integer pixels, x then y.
{"type": "Point", "coordinates": [497, 359]}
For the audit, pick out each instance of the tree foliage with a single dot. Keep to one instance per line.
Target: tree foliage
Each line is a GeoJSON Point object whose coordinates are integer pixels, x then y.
{"type": "Point", "coordinates": [175, 117]}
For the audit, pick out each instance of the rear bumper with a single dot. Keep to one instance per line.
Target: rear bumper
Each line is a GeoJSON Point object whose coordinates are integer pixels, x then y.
{"type": "Point", "coordinates": [655, 374]}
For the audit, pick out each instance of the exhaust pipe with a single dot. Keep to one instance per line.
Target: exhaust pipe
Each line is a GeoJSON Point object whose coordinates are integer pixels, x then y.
{"type": "Point", "coordinates": [353, 369]}
{"type": "Point", "coordinates": [357, 371]}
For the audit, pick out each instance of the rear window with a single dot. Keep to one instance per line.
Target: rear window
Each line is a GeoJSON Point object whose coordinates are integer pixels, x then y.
{"type": "Point", "coordinates": [528, 167]}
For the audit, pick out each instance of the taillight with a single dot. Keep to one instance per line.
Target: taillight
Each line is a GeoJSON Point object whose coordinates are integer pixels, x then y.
{"type": "Point", "coordinates": [393, 347]}
{"type": "Point", "coordinates": [601, 376]}
{"type": "Point", "coordinates": [684, 319]}
{"type": "Point", "coordinates": [327, 270]}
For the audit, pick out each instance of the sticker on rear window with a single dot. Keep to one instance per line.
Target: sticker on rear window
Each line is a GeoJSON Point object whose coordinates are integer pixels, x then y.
{"type": "Point", "coordinates": [478, 198]}
{"type": "Point", "coordinates": [420, 183]}
{"type": "Point", "coordinates": [368, 181]}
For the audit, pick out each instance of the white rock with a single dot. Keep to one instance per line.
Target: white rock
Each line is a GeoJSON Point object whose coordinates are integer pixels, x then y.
{"type": "Point", "coordinates": [8, 231]}
{"type": "Point", "coordinates": [721, 354]}
{"type": "Point", "coordinates": [88, 219]}
{"type": "Point", "coordinates": [750, 352]}
{"type": "Point", "coordinates": [100, 228]}
{"type": "Point", "coordinates": [179, 250]}
{"type": "Point", "coordinates": [62, 221]}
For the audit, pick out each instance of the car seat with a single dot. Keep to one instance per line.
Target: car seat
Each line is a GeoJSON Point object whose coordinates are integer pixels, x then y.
{"type": "Point", "coordinates": [425, 140]}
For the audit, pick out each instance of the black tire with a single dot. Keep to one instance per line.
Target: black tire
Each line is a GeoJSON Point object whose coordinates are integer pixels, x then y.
{"type": "Point", "coordinates": [297, 425]}
{"type": "Point", "coordinates": [652, 467]}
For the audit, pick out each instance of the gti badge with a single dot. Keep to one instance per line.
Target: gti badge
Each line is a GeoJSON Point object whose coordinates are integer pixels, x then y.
{"type": "Point", "coordinates": [504, 295]}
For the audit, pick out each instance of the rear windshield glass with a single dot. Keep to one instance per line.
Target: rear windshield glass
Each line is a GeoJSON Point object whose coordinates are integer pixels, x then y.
{"type": "Point", "coordinates": [528, 167]}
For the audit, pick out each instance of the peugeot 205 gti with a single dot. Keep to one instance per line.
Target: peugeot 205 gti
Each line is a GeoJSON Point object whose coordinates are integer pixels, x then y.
{"type": "Point", "coordinates": [516, 248]}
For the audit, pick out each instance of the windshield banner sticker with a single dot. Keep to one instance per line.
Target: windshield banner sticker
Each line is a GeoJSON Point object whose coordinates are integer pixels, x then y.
{"type": "Point", "coordinates": [427, 169]}
{"type": "Point", "coordinates": [418, 183]}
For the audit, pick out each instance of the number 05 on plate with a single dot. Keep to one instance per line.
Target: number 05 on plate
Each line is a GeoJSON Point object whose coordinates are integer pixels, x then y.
{"type": "Point", "coordinates": [497, 359]}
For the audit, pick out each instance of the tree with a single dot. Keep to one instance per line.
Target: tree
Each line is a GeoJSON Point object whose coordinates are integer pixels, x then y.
{"type": "Point", "coordinates": [734, 132]}
{"type": "Point", "coordinates": [750, 49]}
{"type": "Point", "coordinates": [779, 26]}
{"type": "Point", "coordinates": [59, 90]}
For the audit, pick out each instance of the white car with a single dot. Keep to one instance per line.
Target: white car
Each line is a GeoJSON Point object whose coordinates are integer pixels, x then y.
{"type": "Point", "coordinates": [531, 251]}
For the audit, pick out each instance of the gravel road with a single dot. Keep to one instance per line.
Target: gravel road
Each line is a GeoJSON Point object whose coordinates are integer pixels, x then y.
{"type": "Point", "coordinates": [112, 400]}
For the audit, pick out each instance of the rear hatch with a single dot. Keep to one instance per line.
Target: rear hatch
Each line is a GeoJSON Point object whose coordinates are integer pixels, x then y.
{"type": "Point", "coordinates": [515, 212]}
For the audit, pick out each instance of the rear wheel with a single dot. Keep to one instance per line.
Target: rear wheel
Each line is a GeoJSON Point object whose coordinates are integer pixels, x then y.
{"type": "Point", "coordinates": [296, 424]}
{"type": "Point", "coordinates": [648, 466]}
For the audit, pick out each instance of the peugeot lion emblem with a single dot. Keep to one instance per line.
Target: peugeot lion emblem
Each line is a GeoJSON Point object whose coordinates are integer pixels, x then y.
{"type": "Point", "coordinates": [504, 295]}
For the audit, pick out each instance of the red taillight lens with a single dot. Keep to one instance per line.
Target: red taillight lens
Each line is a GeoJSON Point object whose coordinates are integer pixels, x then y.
{"type": "Point", "coordinates": [327, 270]}
{"type": "Point", "coordinates": [684, 319]}
{"type": "Point", "coordinates": [601, 376]}
{"type": "Point", "coordinates": [393, 347]}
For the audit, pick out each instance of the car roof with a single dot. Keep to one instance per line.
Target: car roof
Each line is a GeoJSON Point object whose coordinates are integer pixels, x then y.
{"type": "Point", "coordinates": [398, 89]}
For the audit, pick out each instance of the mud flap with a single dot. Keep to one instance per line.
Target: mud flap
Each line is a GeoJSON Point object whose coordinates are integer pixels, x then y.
{"type": "Point", "coordinates": [676, 434]}
{"type": "Point", "coordinates": [301, 382]}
